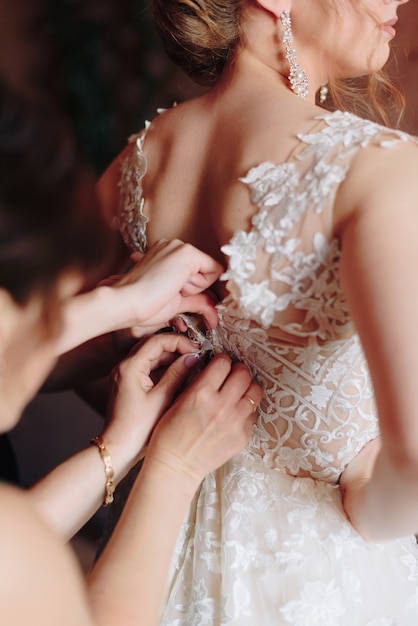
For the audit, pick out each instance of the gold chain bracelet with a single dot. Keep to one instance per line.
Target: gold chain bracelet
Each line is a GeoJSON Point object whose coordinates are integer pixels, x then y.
{"type": "Point", "coordinates": [110, 474]}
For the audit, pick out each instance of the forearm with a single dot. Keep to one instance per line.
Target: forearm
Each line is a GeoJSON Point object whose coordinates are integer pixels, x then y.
{"type": "Point", "coordinates": [385, 506]}
{"type": "Point", "coordinates": [100, 311]}
{"type": "Point", "coordinates": [69, 495]}
{"type": "Point", "coordinates": [128, 584]}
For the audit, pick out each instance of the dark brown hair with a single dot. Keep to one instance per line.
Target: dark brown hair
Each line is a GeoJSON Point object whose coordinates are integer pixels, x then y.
{"type": "Point", "coordinates": [49, 220]}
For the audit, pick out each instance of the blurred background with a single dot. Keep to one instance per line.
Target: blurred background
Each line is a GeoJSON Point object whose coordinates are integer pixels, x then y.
{"type": "Point", "coordinates": [101, 63]}
{"type": "Point", "coordinates": [98, 60]}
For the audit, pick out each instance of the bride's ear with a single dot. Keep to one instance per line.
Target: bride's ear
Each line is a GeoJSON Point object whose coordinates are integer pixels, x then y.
{"type": "Point", "coordinates": [276, 7]}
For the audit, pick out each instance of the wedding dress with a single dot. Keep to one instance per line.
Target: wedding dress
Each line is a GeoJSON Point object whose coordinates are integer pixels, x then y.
{"type": "Point", "coordinates": [266, 541]}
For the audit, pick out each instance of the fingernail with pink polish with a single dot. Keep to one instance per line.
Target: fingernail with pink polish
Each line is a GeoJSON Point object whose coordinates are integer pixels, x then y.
{"type": "Point", "coordinates": [191, 360]}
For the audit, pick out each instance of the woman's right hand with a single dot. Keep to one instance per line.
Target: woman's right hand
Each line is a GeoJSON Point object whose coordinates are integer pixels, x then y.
{"type": "Point", "coordinates": [208, 424]}
{"type": "Point", "coordinates": [170, 278]}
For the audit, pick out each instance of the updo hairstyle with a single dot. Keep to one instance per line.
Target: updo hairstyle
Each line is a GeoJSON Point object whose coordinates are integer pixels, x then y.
{"type": "Point", "coordinates": [198, 35]}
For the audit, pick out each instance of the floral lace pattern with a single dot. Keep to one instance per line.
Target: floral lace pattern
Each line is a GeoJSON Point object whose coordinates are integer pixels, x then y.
{"type": "Point", "coordinates": [266, 541]}
{"type": "Point", "coordinates": [132, 221]}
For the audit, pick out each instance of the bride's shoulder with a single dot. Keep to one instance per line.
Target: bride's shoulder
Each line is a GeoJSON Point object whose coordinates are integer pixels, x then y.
{"type": "Point", "coordinates": [353, 130]}
{"type": "Point", "coordinates": [381, 177]}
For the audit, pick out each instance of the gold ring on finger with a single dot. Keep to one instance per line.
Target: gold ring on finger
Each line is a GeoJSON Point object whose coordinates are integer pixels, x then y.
{"type": "Point", "coordinates": [250, 400]}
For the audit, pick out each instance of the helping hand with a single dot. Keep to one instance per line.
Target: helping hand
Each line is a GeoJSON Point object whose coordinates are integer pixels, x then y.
{"type": "Point", "coordinates": [167, 280]}
{"type": "Point", "coordinates": [136, 402]}
{"type": "Point", "coordinates": [208, 424]}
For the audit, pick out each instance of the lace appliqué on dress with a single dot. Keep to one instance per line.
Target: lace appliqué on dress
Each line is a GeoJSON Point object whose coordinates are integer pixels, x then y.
{"type": "Point", "coordinates": [299, 341]}
{"type": "Point", "coordinates": [132, 221]}
{"type": "Point", "coordinates": [266, 541]}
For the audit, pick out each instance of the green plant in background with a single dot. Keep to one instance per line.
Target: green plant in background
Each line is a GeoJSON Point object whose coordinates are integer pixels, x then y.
{"type": "Point", "coordinates": [108, 71]}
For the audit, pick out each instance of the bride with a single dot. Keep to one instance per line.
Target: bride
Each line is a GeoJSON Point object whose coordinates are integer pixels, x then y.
{"type": "Point", "coordinates": [313, 214]}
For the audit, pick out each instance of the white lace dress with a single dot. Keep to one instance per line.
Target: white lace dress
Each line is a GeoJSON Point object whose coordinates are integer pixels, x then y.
{"type": "Point", "coordinates": [266, 541]}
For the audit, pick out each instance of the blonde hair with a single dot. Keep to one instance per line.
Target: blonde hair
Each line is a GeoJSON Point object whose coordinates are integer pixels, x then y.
{"type": "Point", "coordinates": [374, 97]}
{"type": "Point", "coordinates": [201, 36]}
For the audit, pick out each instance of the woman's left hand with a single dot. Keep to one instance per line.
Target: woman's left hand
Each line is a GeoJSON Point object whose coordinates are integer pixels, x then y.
{"type": "Point", "coordinates": [137, 402]}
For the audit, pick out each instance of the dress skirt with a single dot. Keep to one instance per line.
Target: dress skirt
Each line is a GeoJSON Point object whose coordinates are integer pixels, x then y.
{"type": "Point", "coordinates": [263, 548]}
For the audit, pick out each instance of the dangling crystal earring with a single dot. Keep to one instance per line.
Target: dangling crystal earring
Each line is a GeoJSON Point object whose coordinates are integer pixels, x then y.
{"type": "Point", "coordinates": [297, 75]}
{"type": "Point", "coordinates": [323, 92]}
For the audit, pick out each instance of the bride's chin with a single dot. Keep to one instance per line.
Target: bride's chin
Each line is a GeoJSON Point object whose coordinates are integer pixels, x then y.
{"type": "Point", "coordinates": [375, 66]}
{"type": "Point", "coordinates": [381, 58]}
